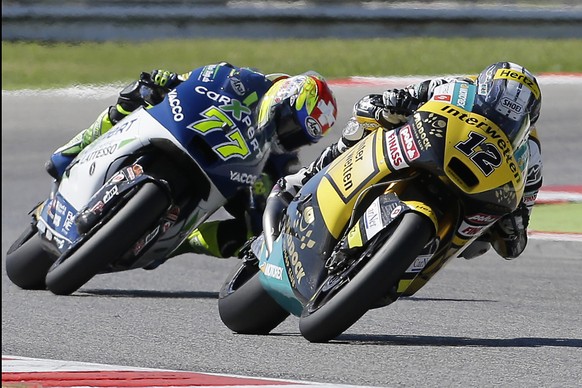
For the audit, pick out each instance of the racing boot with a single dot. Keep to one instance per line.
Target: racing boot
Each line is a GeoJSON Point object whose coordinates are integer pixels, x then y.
{"type": "Point", "coordinates": [509, 233]}
{"type": "Point", "coordinates": [129, 99]}
{"type": "Point", "coordinates": [222, 239]}
{"type": "Point", "coordinates": [63, 156]}
{"type": "Point", "coordinates": [203, 240]}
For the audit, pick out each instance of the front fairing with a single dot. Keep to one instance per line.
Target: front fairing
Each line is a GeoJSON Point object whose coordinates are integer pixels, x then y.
{"type": "Point", "coordinates": [212, 115]}
{"type": "Point", "coordinates": [295, 268]}
{"type": "Point", "coordinates": [467, 150]}
{"type": "Point", "coordinates": [56, 222]}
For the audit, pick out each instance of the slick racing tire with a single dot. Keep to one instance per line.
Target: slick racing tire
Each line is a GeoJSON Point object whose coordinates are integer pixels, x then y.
{"type": "Point", "coordinates": [110, 242]}
{"type": "Point", "coordinates": [342, 301]}
{"type": "Point", "coordinates": [244, 306]}
{"type": "Point", "coordinates": [27, 263]}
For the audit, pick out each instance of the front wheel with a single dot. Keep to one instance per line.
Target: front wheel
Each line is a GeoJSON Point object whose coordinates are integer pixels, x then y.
{"type": "Point", "coordinates": [27, 263]}
{"type": "Point", "coordinates": [110, 242]}
{"type": "Point", "coordinates": [243, 304]}
{"type": "Point", "coordinates": [343, 300]}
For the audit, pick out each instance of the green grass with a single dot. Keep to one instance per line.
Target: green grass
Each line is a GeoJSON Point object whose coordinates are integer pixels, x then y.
{"type": "Point", "coordinates": [557, 218]}
{"type": "Point", "coordinates": [37, 65]}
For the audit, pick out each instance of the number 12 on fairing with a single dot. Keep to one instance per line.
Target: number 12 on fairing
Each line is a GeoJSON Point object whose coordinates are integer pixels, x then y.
{"type": "Point", "coordinates": [485, 155]}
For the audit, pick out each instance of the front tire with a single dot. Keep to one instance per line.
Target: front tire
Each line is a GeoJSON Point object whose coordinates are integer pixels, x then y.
{"type": "Point", "coordinates": [334, 310]}
{"type": "Point", "coordinates": [244, 306]}
{"type": "Point", "coordinates": [110, 242]}
{"type": "Point", "coordinates": [27, 263]}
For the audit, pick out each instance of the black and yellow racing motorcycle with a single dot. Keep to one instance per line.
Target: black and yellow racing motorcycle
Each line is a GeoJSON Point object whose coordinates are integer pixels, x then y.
{"type": "Point", "coordinates": [378, 223]}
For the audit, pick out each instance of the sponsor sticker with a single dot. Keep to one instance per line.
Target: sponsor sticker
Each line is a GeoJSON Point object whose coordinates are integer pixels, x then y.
{"type": "Point", "coordinates": [410, 148]}
{"type": "Point", "coordinates": [418, 264]}
{"type": "Point", "coordinates": [469, 231]}
{"type": "Point", "coordinates": [394, 153]}
{"type": "Point", "coordinates": [463, 95]}
{"type": "Point", "coordinates": [373, 219]}
{"type": "Point", "coordinates": [443, 97]}
{"type": "Point", "coordinates": [273, 271]}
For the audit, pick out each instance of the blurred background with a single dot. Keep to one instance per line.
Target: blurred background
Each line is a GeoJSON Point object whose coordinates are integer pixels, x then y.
{"type": "Point", "coordinates": [85, 20]}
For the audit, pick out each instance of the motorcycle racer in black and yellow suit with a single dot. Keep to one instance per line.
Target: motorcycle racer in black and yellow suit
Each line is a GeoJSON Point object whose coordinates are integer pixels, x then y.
{"type": "Point", "coordinates": [520, 96]}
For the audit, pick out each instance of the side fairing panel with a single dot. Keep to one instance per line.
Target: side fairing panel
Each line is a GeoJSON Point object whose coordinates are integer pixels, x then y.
{"type": "Point", "coordinates": [212, 116]}
{"type": "Point", "coordinates": [341, 183]}
{"type": "Point", "coordinates": [89, 170]}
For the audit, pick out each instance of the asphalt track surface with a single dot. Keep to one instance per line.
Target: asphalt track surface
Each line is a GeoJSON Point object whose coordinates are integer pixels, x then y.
{"type": "Point", "coordinates": [483, 322]}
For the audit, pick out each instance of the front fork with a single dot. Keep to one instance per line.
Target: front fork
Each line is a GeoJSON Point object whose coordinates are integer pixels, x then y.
{"type": "Point", "coordinates": [381, 213]}
{"type": "Point", "coordinates": [385, 210]}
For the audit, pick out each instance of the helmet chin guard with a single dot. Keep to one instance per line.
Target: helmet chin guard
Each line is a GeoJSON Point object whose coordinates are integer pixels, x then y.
{"type": "Point", "coordinates": [301, 109]}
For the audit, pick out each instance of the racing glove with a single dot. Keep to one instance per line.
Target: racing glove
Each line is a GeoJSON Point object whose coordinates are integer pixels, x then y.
{"type": "Point", "coordinates": [289, 185]}
{"type": "Point", "coordinates": [165, 78]}
{"type": "Point", "coordinates": [398, 104]}
{"type": "Point", "coordinates": [149, 90]}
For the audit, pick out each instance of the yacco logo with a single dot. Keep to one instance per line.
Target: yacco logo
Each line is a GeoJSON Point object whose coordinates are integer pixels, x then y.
{"type": "Point", "coordinates": [243, 177]}
{"type": "Point", "coordinates": [175, 105]}
{"type": "Point", "coordinates": [514, 75]}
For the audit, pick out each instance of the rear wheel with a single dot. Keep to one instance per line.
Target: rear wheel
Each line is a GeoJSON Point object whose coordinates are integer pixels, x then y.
{"type": "Point", "coordinates": [110, 242]}
{"type": "Point", "coordinates": [344, 298]}
{"type": "Point", "coordinates": [244, 306]}
{"type": "Point", "coordinates": [27, 263]}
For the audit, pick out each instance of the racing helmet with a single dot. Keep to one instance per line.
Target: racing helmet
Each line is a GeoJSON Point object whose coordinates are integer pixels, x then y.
{"type": "Point", "coordinates": [509, 95]}
{"type": "Point", "coordinates": [299, 110]}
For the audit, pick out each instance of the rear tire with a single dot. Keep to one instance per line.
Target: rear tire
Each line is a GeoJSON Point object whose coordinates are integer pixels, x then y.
{"type": "Point", "coordinates": [110, 242]}
{"type": "Point", "coordinates": [27, 263]}
{"type": "Point", "coordinates": [328, 315]}
{"type": "Point", "coordinates": [244, 306]}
